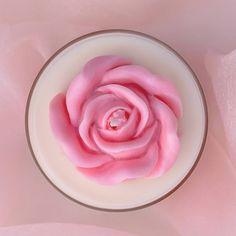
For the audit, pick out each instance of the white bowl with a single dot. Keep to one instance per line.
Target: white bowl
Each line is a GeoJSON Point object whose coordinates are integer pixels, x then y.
{"type": "Point", "coordinates": [55, 77]}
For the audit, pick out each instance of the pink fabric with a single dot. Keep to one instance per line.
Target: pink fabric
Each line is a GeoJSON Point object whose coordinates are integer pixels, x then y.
{"type": "Point", "coordinates": [101, 99]}
{"type": "Point", "coordinates": [59, 230]}
{"type": "Point", "coordinates": [202, 31]}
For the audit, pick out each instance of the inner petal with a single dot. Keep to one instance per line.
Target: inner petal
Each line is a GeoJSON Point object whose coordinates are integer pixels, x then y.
{"type": "Point", "coordinates": [125, 132]}
{"type": "Point", "coordinates": [126, 149]}
{"type": "Point", "coordinates": [121, 105]}
{"type": "Point", "coordinates": [94, 111]}
{"type": "Point", "coordinates": [117, 119]}
{"type": "Point", "coordinates": [132, 98]}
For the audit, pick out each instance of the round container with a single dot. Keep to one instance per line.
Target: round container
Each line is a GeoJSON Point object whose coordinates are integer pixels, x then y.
{"type": "Point", "coordinates": [56, 75]}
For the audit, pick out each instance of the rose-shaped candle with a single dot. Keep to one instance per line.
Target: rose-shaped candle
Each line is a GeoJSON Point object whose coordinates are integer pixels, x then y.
{"type": "Point", "coordinates": [118, 121]}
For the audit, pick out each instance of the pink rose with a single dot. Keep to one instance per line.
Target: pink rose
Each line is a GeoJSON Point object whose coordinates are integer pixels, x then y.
{"type": "Point", "coordinates": [117, 121]}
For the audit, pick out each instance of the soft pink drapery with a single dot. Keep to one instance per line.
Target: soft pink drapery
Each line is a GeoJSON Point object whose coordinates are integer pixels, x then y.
{"type": "Point", "coordinates": [202, 31]}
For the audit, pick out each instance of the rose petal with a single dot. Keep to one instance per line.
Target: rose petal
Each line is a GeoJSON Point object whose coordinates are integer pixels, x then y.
{"type": "Point", "coordinates": [120, 170]}
{"type": "Point", "coordinates": [124, 133]}
{"type": "Point", "coordinates": [154, 85]}
{"type": "Point", "coordinates": [143, 94]}
{"type": "Point", "coordinates": [85, 82]}
{"type": "Point", "coordinates": [94, 111]}
{"type": "Point", "coordinates": [128, 149]}
{"type": "Point", "coordinates": [66, 135]}
{"type": "Point", "coordinates": [169, 140]}
{"type": "Point", "coordinates": [131, 97]}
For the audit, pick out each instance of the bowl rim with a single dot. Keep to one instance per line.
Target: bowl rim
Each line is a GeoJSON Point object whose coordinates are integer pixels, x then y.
{"type": "Point", "coordinates": [108, 31]}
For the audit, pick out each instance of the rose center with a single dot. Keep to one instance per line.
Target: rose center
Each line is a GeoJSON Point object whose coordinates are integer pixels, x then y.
{"type": "Point", "coordinates": [117, 119]}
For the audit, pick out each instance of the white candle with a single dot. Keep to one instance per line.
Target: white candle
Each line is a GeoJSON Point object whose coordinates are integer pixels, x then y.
{"type": "Point", "coordinates": [56, 77]}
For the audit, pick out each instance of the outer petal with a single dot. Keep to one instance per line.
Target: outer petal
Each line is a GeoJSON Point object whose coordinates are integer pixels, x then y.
{"type": "Point", "coordinates": [85, 82]}
{"type": "Point", "coordinates": [120, 170]}
{"type": "Point", "coordinates": [168, 140]}
{"type": "Point", "coordinates": [67, 137]}
{"type": "Point", "coordinates": [153, 84]}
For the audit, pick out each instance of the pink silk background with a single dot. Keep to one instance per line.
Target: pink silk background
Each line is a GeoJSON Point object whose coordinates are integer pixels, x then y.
{"type": "Point", "coordinates": [203, 32]}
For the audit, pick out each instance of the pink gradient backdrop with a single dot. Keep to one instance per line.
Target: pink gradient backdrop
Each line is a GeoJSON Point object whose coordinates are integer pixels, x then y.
{"type": "Point", "coordinates": [202, 31]}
